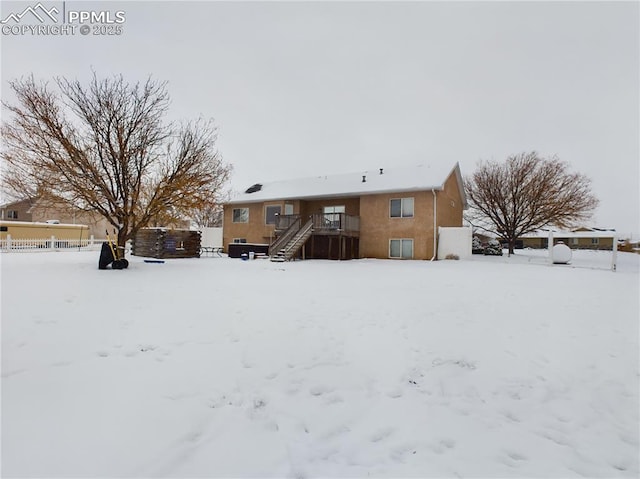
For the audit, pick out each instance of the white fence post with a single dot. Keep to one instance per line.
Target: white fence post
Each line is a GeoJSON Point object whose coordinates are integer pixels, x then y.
{"type": "Point", "coordinates": [53, 243]}
{"type": "Point", "coordinates": [91, 239]}
{"type": "Point", "coordinates": [550, 246]}
{"type": "Point", "coordinates": [8, 242]}
{"type": "Point", "coordinates": [614, 254]}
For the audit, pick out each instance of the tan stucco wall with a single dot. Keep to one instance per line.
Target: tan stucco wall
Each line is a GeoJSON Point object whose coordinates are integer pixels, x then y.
{"type": "Point", "coordinates": [255, 231]}
{"type": "Point", "coordinates": [376, 225]}
{"type": "Point", "coordinates": [449, 203]}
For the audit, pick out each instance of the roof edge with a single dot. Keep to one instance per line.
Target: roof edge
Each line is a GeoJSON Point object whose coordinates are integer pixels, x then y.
{"type": "Point", "coordinates": [334, 196]}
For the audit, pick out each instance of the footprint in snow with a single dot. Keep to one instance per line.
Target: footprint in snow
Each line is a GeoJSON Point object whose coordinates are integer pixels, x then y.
{"type": "Point", "coordinates": [510, 416]}
{"type": "Point", "coordinates": [443, 445]}
{"type": "Point", "coordinates": [336, 432]}
{"type": "Point", "coordinates": [320, 390]}
{"type": "Point", "coordinates": [516, 456]}
{"type": "Point", "coordinates": [381, 434]}
{"type": "Point", "coordinates": [400, 453]}
{"type": "Point", "coordinates": [395, 393]}
{"type": "Point", "coordinates": [513, 458]}
{"type": "Point", "coordinates": [334, 399]}
{"type": "Point", "coordinates": [59, 364]}
{"type": "Point", "coordinates": [103, 354]}
{"type": "Point", "coordinates": [554, 436]}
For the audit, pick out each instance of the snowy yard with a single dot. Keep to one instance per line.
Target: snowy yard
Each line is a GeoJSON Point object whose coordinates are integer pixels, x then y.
{"type": "Point", "coordinates": [215, 367]}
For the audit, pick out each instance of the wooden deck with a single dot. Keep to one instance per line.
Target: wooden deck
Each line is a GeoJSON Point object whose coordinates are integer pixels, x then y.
{"type": "Point", "coordinates": [324, 224]}
{"type": "Point", "coordinates": [333, 235]}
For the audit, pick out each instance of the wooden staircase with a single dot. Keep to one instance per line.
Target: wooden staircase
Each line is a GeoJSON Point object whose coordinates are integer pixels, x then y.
{"type": "Point", "coordinates": [288, 245]}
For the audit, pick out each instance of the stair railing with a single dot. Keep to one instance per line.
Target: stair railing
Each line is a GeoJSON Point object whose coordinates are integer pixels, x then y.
{"type": "Point", "coordinates": [285, 237]}
{"type": "Point", "coordinates": [300, 238]}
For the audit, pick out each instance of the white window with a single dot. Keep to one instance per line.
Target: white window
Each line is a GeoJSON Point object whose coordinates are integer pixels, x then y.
{"type": "Point", "coordinates": [401, 208]}
{"type": "Point", "coordinates": [575, 241]}
{"type": "Point", "coordinates": [12, 214]}
{"type": "Point", "coordinates": [239, 240]}
{"type": "Point", "coordinates": [401, 248]}
{"type": "Point", "coordinates": [241, 215]}
{"type": "Point", "coordinates": [271, 213]}
{"type": "Point", "coordinates": [288, 209]}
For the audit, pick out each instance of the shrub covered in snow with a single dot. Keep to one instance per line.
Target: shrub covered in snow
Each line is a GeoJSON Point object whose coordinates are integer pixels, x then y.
{"type": "Point", "coordinates": [476, 246]}
{"type": "Point", "coordinates": [493, 248]}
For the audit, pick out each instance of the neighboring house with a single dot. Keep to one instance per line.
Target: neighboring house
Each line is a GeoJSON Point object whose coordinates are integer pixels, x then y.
{"type": "Point", "coordinates": [98, 225]}
{"type": "Point", "coordinates": [385, 213]}
{"type": "Point", "coordinates": [579, 238]}
{"type": "Point", "coordinates": [17, 211]}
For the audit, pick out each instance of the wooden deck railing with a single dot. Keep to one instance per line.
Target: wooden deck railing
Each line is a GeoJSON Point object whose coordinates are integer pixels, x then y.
{"type": "Point", "coordinates": [283, 222]}
{"type": "Point", "coordinates": [323, 223]}
{"type": "Point", "coordinates": [336, 222]}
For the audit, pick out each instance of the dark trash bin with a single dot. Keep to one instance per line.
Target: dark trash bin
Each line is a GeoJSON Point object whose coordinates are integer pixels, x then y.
{"type": "Point", "coordinates": [106, 256]}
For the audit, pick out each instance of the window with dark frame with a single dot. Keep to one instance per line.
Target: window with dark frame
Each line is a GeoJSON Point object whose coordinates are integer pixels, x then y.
{"type": "Point", "coordinates": [241, 215]}
{"type": "Point", "coordinates": [12, 214]}
{"type": "Point", "coordinates": [401, 208]}
{"type": "Point", "coordinates": [271, 212]}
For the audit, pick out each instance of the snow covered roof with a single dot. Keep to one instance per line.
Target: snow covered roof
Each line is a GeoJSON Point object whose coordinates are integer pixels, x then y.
{"type": "Point", "coordinates": [577, 233]}
{"type": "Point", "coordinates": [379, 180]}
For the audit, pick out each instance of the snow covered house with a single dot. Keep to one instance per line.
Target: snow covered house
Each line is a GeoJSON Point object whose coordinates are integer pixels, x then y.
{"type": "Point", "coordinates": [579, 238]}
{"type": "Point", "coordinates": [384, 213]}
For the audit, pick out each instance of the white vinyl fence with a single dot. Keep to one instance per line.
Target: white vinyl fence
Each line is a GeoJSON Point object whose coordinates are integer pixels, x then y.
{"type": "Point", "coordinates": [10, 245]}
{"type": "Point", "coordinates": [454, 241]}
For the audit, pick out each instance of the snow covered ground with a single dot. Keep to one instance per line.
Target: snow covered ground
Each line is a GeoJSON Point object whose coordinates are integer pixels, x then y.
{"type": "Point", "coordinates": [215, 367]}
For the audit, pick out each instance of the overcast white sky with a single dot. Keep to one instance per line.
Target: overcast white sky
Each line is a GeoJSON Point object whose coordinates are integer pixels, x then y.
{"type": "Point", "coordinates": [299, 88]}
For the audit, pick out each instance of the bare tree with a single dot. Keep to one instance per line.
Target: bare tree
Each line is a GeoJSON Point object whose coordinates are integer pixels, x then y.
{"type": "Point", "coordinates": [527, 193]}
{"type": "Point", "coordinates": [104, 148]}
{"type": "Point", "coordinates": [210, 213]}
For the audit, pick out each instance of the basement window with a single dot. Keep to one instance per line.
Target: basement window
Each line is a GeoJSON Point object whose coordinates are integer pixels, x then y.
{"type": "Point", "coordinates": [241, 215]}
{"type": "Point", "coordinates": [401, 208]}
{"type": "Point", "coordinates": [401, 248]}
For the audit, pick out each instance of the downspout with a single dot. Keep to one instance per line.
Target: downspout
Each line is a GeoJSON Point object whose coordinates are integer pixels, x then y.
{"type": "Point", "coordinates": [435, 210]}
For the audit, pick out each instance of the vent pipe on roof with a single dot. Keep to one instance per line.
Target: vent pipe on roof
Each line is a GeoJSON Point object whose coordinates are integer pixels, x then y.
{"type": "Point", "coordinates": [364, 178]}
{"type": "Point", "coordinates": [380, 170]}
